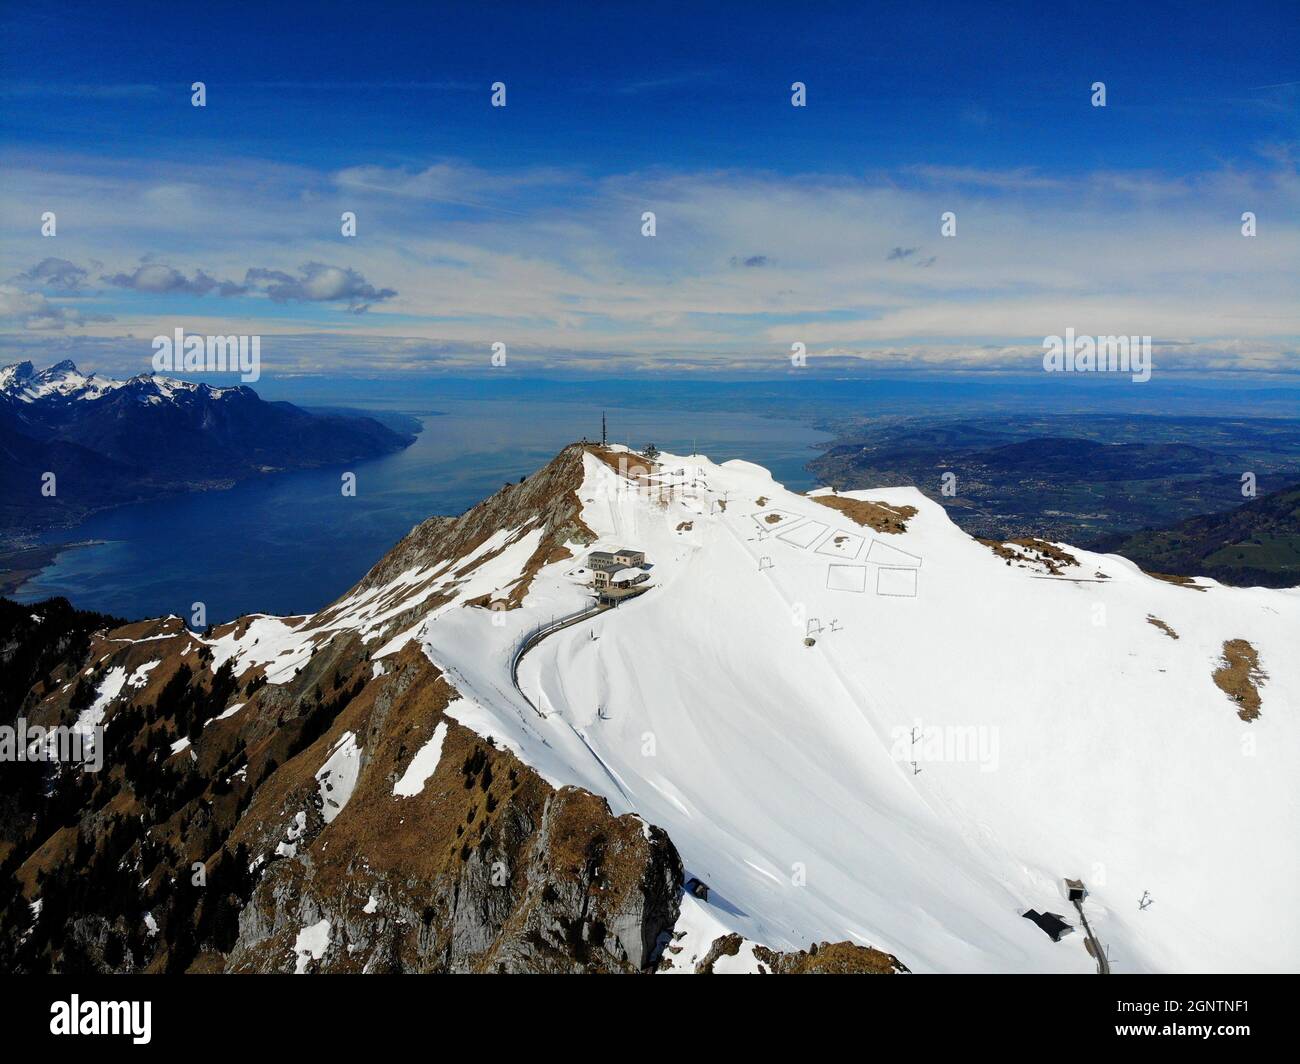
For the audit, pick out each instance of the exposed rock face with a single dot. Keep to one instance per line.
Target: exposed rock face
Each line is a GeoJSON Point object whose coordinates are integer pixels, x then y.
{"type": "Point", "coordinates": [723, 946]}
{"type": "Point", "coordinates": [310, 859]}
{"type": "Point", "coordinates": [825, 958]}
{"type": "Point", "coordinates": [320, 811]}
{"type": "Point", "coordinates": [830, 958]}
{"type": "Point", "coordinates": [547, 500]}
{"type": "Point", "coordinates": [236, 831]}
{"type": "Point", "coordinates": [487, 868]}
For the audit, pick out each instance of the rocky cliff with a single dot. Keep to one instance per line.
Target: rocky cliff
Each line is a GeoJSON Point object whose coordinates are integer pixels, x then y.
{"type": "Point", "coordinates": [298, 794]}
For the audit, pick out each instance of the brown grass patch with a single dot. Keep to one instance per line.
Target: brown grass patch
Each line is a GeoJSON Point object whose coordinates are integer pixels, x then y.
{"type": "Point", "coordinates": [831, 958]}
{"type": "Point", "coordinates": [548, 498]}
{"type": "Point", "coordinates": [1048, 556]}
{"type": "Point", "coordinates": [1239, 676]}
{"type": "Point", "coordinates": [625, 463]}
{"type": "Point", "coordinates": [773, 519]}
{"type": "Point", "coordinates": [1179, 581]}
{"type": "Point", "coordinates": [1154, 620]}
{"type": "Point", "coordinates": [878, 516]}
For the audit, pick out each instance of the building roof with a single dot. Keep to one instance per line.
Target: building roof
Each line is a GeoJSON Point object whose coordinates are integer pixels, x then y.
{"type": "Point", "coordinates": [1051, 923]}
{"type": "Point", "coordinates": [628, 550]}
{"type": "Point", "coordinates": [626, 574]}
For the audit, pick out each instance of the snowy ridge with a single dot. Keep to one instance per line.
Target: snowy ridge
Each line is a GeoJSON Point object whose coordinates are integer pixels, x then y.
{"type": "Point", "coordinates": [1060, 732]}
{"type": "Point", "coordinates": [64, 382]}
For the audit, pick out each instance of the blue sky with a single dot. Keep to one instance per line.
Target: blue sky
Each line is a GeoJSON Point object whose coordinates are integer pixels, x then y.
{"type": "Point", "coordinates": [775, 224]}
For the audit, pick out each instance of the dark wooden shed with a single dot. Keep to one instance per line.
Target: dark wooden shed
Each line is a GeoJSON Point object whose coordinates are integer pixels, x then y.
{"type": "Point", "coordinates": [1051, 923]}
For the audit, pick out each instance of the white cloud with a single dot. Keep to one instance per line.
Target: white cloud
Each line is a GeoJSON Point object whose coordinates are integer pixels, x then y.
{"type": "Point", "coordinates": [31, 310]}
{"type": "Point", "coordinates": [554, 262]}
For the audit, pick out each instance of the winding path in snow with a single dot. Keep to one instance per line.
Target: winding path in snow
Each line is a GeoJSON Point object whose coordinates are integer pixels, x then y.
{"type": "Point", "coordinates": [537, 635]}
{"type": "Point", "coordinates": [550, 628]}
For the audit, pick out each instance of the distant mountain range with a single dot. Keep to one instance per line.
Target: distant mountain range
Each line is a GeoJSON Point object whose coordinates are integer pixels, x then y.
{"type": "Point", "coordinates": [1257, 544]}
{"type": "Point", "coordinates": [110, 442]}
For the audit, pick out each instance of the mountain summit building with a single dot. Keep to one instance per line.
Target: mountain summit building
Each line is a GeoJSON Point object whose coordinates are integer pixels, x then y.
{"type": "Point", "coordinates": [615, 573]}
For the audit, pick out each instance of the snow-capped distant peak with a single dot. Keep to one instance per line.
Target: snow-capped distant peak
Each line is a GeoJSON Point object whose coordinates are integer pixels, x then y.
{"type": "Point", "coordinates": [63, 381]}
{"type": "Point", "coordinates": [14, 376]}
{"type": "Point", "coordinates": [170, 387]}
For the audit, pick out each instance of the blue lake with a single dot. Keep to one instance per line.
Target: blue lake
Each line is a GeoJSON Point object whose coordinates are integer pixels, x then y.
{"type": "Point", "coordinates": [291, 542]}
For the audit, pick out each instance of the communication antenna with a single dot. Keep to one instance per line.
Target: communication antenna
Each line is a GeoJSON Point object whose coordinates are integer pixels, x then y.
{"type": "Point", "coordinates": [602, 428]}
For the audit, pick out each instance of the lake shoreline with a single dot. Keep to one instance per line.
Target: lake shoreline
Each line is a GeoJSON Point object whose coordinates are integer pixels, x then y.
{"type": "Point", "coordinates": [291, 542]}
{"type": "Point", "coordinates": [19, 565]}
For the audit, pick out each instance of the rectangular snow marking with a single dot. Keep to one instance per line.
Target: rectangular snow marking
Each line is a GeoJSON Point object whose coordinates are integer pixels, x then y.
{"type": "Point", "coordinates": [805, 534]}
{"type": "Point", "coordinates": [846, 578]}
{"type": "Point", "coordinates": [900, 583]}
{"type": "Point", "coordinates": [841, 544]}
{"type": "Point", "coordinates": [771, 520]}
{"type": "Point", "coordinates": [884, 554]}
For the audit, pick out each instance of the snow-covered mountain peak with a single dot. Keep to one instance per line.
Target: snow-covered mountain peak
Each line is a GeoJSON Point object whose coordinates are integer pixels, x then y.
{"type": "Point", "coordinates": [64, 382]}
{"type": "Point", "coordinates": [857, 722]}
{"type": "Point", "coordinates": [60, 381]}
{"type": "Point", "coordinates": [13, 375]}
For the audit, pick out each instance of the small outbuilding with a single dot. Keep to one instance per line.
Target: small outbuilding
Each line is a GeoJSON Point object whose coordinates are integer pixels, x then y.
{"type": "Point", "coordinates": [697, 888]}
{"type": "Point", "coordinates": [1051, 923]}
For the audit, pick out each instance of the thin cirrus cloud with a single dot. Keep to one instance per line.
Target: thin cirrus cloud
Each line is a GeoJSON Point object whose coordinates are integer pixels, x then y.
{"type": "Point", "coordinates": [37, 90]}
